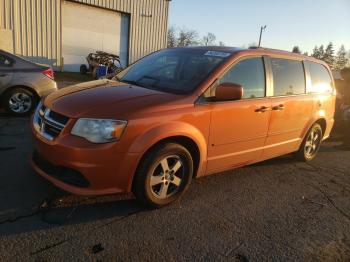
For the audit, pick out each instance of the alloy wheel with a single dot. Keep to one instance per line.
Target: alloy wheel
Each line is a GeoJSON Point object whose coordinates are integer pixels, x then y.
{"type": "Point", "coordinates": [312, 143]}
{"type": "Point", "coordinates": [167, 177]}
{"type": "Point", "coordinates": [20, 103]}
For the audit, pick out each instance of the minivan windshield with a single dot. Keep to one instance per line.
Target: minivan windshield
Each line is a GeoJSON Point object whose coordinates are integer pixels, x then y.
{"type": "Point", "coordinates": [173, 70]}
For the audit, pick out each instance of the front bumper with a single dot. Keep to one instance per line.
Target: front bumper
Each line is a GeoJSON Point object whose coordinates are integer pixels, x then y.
{"type": "Point", "coordinates": [99, 168]}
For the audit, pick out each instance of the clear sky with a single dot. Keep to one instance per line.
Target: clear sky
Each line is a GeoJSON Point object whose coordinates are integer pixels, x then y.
{"type": "Point", "coordinates": [305, 23]}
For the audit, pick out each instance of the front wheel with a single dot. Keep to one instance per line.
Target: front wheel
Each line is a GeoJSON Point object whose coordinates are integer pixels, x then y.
{"type": "Point", "coordinates": [311, 144]}
{"type": "Point", "coordinates": [163, 175]}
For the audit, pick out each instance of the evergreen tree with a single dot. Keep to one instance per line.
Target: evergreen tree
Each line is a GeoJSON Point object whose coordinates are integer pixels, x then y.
{"type": "Point", "coordinates": [329, 55]}
{"type": "Point", "coordinates": [321, 52]}
{"type": "Point", "coordinates": [340, 60]}
{"type": "Point", "coordinates": [296, 49]}
{"type": "Point", "coordinates": [316, 53]}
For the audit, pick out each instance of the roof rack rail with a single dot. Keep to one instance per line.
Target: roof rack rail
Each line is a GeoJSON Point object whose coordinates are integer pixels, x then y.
{"type": "Point", "coordinates": [266, 48]}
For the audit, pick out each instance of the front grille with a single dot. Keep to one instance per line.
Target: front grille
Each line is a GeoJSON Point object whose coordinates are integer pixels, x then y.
{"type": "Point", "coordinates": [49, 123]}
{"type": "Point", "coordinates": [66, 175]}
{"type": "Point", "coordinates": [58, 117]}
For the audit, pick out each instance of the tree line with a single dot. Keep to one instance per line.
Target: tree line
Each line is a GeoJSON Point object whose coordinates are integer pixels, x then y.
{"type": "Point", "coordinates": [336, 60]}
{"type": "Point", "coordinates": [179, 37]}
{"type": "Point", "coordinates": [189, 37]}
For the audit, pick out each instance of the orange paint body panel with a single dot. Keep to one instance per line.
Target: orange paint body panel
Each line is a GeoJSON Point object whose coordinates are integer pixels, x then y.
{"type": "Point", "coordinates": [227, 134]}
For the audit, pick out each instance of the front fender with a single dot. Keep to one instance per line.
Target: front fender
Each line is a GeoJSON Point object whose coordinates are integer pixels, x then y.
{"type": "Point", "coordinates": [163, 131]}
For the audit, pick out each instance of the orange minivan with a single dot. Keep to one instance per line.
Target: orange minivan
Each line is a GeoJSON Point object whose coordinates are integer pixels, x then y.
{"type": "Point", "coordinates": [182, 113]}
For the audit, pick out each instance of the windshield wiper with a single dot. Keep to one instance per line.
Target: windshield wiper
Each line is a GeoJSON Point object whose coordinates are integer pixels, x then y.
{"type": "Point", "coordinates": [132, 82]}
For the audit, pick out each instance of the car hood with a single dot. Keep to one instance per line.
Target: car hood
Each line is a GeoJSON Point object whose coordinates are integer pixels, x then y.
{"type": "Point", "coordinates": [109, 99]}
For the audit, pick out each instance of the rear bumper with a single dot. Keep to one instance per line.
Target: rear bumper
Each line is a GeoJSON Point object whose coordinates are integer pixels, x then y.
{"type": "Point", "coordinates": [93, 170]}
{"type": "Point", "coordinates": [49, 87]}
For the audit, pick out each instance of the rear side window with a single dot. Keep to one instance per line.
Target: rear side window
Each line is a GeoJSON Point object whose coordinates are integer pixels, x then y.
{"type": "Point", "coordinates": [250, 74]}
{"type": "Point", "coordinates": [5, 61]}
{"type": "Point", "coordinates": [288, 77]}
{"type": "Point", "coordinates": [320, 79]}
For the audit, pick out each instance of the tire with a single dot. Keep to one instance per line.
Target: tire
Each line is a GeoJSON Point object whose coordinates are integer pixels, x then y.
{"type": "Point", "coordinates": [163, 175]}
{"type": "Point", "coordinates": [311, 144]}
{"type": "Point", "coordinates": [83, 69]}
{"type": "Point", "coordinates": [19, 101]}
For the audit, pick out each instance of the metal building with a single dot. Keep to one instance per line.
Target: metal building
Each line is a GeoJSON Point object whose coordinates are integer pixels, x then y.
{"type": "Point", "coordinates": [62, 33]}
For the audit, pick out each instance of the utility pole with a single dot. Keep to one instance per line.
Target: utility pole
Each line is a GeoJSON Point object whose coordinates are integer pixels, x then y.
{"type": "Point", "coordinates": [262, 28]}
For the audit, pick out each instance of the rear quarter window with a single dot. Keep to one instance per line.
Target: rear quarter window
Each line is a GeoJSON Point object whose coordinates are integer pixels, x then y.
{"type": "Point", "coordinates": [321, 81]}
{"type": "Point", "coordinates": [288, 77]}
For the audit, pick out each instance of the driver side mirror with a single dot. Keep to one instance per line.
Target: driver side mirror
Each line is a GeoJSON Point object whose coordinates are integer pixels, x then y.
{"type": "Point", "coordinates": [228, 92]}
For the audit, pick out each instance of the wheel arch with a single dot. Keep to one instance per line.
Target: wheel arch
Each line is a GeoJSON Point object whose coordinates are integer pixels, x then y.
{"type": "Point", "coordinates": [30, 89]}
{"type": "Point", "coordinates": [184, 141]}
{"type": "Point", "coordinates": [323, 123]}
{"type": "Point", "coordinates": [192, 139]}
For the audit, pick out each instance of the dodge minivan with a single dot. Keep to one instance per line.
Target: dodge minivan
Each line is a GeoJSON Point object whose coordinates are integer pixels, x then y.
{"type": "Point", "coordinates": [182, 113]}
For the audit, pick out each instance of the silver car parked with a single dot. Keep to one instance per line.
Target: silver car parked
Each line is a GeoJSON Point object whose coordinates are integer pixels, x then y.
{"type": "Point", "coordinates": [22, 83]}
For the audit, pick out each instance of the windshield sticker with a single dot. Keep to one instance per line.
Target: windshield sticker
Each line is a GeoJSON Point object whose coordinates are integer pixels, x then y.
{"type": "Point", "coordinates": [216, 53]}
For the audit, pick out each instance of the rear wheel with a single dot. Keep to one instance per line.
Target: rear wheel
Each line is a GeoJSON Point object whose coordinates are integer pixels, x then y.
{"type": "Point", "coordinates": [311, 144]}
{"type": "Point", "coordinates": [19, 101]}
{"type": "Point", "coordinates": [163, 175]}
{"type": "Point", "coordinates": [83, 69]}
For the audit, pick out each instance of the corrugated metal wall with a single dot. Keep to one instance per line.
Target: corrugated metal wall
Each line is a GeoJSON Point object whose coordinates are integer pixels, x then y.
{"type": "Point", "coordinates": [36, 26]}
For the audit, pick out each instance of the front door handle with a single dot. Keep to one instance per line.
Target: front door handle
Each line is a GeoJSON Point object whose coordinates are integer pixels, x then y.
{"type": "Point", "coordinates": [279, 107]}
{"type": "Point", "coordinates": [261, 109]}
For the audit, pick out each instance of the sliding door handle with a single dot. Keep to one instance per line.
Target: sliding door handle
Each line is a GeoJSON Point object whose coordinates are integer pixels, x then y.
{"type": "Point", "coordinates": [261, 109]}
{"type": "Point", "coordinates": [279, 107]}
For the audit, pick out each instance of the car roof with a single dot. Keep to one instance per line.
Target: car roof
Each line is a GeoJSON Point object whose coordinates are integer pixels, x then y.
{"type": "Point", "coordinates": [227, 49]}
{"type": "Point", "coordinates": [21, 62]}
{"type": "Point", "coordinates": [256, 50]}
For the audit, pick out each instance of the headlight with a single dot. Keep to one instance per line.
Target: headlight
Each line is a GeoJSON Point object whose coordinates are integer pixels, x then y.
{"type": "Point", "coordinates": [99, 130]}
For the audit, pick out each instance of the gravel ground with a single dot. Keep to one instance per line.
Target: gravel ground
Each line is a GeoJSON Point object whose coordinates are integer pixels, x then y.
{"type": "Point", "coordinates": [279, 210]}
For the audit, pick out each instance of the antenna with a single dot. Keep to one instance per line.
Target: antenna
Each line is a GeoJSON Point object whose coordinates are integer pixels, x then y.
{"type": "Point", "coordinates": [262, 28]}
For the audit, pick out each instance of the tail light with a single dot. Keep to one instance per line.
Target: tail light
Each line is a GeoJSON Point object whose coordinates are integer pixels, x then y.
{"type": "Point", "coordinates": [49, 73]}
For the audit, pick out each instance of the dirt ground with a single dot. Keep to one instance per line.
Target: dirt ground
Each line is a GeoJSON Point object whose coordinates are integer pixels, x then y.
{"type": "Point", "coordinates": [277, 210]}
{"type": "Point", "coordinates": [64, 79]}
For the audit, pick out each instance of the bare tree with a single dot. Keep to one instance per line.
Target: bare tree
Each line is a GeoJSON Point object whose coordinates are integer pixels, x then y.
{"type": "Point", "coordinates": [172, 37]}
{"type": "Point", "coordinates": [296, 49]}
{"type": "Point", "coordinates": [252, 44]}
{"type": "Point", "coordinates": [209, 39]}
{"type": "Point", "coordinates": [187, 37]}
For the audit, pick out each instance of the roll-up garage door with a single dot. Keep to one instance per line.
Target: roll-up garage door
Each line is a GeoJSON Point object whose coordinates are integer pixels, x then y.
{"type": "Point", "coordinates": [86, 29]}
